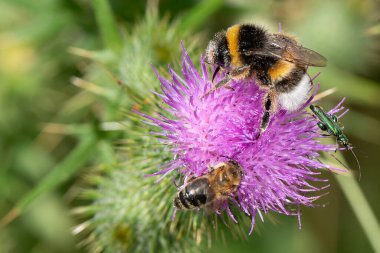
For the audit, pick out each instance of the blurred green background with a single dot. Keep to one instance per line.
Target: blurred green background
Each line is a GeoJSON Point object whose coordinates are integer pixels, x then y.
{"type": "Point", "coordinates": [40, 110]}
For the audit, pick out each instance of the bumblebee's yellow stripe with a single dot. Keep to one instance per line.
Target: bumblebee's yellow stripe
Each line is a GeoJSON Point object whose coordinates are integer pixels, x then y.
{"type": "Point", "coordinates": [233, 44]}
{"type": "Point", "coordinates": [280, 70]}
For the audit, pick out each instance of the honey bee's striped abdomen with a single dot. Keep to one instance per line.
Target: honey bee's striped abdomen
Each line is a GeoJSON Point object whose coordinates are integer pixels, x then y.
{"type": "Point", "coordinates": [181, 202]}
{"type": "Point", "coordinates": [195, 195]}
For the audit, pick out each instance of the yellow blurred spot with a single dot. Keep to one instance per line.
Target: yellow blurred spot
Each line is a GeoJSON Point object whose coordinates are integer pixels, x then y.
{"type": "Point", "coordinates": [124, 235]}
{"type": "Point", "coordinates": [16, 56]}
{"type": "Point", "coordinates": [136, 107]}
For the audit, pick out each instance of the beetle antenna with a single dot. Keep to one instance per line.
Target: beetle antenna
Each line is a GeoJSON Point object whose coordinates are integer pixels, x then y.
{"type": "Point", "coordinates": [339, 161]}
{"type": "Point", "coordinates": [357, 161]}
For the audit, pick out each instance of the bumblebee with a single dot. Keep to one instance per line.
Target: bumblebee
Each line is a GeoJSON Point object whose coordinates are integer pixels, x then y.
{"type": "Point", "coordinates": [277, 62]}
{"type": "Point", "coordinates": [211, 188]}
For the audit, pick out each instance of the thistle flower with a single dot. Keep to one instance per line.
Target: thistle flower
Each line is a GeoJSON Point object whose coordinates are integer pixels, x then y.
{"type": "Point", "coordinates": [279, 167]}
{"type": "Point", "coordinates": [125, 212]}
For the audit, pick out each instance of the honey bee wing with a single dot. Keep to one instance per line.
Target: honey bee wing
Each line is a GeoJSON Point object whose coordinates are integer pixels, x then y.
{"type": "Point", "coordinates": [215, 205]}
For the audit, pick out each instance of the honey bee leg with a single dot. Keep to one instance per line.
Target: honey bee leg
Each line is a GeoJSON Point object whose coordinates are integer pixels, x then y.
{"type": "Point", "coordinates": [174, 213]}
{"type": "Point", "coordinates": [212, 207]}
{"type": "Point", "coordinates": [175, 183]}
{"type": "Point", "coordinates": [208, 209]}
{"type": "Point", "coordinates": [189, 179]}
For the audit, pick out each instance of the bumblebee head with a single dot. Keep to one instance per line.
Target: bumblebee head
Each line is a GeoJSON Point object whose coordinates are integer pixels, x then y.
{"type": "Point", "coordinates": [217, 52]}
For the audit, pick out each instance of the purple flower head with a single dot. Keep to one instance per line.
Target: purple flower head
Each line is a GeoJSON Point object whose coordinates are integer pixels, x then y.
{"type": "Point", "coordinates": [204, 131]}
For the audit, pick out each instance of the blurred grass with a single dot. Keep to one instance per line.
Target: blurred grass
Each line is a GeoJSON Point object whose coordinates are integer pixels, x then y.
{"type": "Point", "coordinates": [60, 174]}
{"type": "Point", "coordinates": [107, 25]}
{"type": "Point", "coordinates": [361, 208]}
{"type": "Point", "coordinates": [35, 73]}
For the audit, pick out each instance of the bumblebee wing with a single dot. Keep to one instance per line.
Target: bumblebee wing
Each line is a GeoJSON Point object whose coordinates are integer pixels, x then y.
{"type": "Point", "coordinates": [287, 49]}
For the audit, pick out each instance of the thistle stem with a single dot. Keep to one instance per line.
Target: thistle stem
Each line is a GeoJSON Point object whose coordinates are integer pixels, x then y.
{"type": "Point", "coordinates": [60, 174]}
{"type": "Point", "coordinates": [361, 208]}
{"type": "Point", "coordinates": [107, 24]}
{"type": "Point", "coordinates": [199, 14]}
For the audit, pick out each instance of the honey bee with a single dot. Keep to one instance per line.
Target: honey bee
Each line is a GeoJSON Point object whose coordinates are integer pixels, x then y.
{"type": "Point", "coordinates": [212, 188]}
{"type": "Point", "coordinates": [277, 62]}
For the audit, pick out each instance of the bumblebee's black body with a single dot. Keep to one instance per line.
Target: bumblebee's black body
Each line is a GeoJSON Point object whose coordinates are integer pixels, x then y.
{"type": "Point", "coordinates": [248, 39]}
{"type": "Point", "coordinates": [194, 195]}
{"type": "Point", "coordinates": [253, 38]}
{"type": "Point", "coordinates": [276, 60]}
{"type": "Point", "coordinates": [222, 55]}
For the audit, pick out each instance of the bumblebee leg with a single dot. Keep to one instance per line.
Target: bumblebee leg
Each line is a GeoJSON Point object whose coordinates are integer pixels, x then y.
{"type": "Point", "coordinates": [264, 79]}
{"type": "Point", "coordinates": [240, 73]}
{"type": "Point", "coordinates": [234, 74]}
{"type": "Point", "coordinates": [268, 107]}
{"type": "Point", "coordinates": [215, 72]}
{"type": "Point", "coordinates": [269, 103]}
{"type": "Point", "coordinates": [221, 83]}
